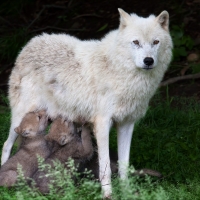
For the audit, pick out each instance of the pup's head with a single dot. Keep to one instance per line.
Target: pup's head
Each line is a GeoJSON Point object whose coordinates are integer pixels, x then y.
{"type": "Point", "coordinates": [32, 124]}
{"type": "Point", "coordinates": [62, 131]}
{"type": "Point", "coordinates": [146, 41]}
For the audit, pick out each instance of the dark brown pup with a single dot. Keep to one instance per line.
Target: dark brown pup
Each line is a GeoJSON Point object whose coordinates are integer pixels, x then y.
{"type": "Point", "coordinates": [67, 144]}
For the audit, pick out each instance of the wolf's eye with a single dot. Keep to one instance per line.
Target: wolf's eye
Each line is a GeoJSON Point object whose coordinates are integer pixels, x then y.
{"type": "Point", "coordinates": [136, 42]}
{"type": "Point", "coordinates": [155, 42]}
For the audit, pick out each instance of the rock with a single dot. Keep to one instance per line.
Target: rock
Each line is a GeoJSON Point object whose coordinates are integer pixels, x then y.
{"type": "Point", "coordinates": [192, 57]}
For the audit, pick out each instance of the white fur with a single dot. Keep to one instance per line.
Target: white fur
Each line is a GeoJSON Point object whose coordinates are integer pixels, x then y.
{"type": "Point", "coordinates": [101, 81]}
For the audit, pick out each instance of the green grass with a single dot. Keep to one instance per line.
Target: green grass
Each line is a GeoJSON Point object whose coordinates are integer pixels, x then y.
{"type": "Point", "coordinates": [167, 140]}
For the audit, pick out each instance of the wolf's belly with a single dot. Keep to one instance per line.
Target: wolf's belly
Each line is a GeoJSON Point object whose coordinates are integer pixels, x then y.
{"type": "Point", "coordinates": [68, 103]}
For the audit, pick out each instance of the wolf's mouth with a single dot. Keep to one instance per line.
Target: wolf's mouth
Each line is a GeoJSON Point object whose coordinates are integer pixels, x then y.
{"type": "Point", "coordinates": [148, 67]}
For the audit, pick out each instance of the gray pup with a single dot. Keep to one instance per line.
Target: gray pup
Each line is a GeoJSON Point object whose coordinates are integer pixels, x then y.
{"type": "Point", "coordinates": [67, 144]}
{"type": "Point", "coordinates": [32, 129]}
{"type": "Point", "coordinates": [93, 166]}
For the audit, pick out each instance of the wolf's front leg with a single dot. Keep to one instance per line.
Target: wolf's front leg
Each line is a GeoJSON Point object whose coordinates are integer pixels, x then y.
{"type": "Point", "coordinates": [124, 136]}
{"type": "Point", "coordinates": [101, 130]}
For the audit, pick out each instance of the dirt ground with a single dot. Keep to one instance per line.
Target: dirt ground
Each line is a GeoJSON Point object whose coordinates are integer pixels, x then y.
{"type": "Point", "coordinates": [91, 19]}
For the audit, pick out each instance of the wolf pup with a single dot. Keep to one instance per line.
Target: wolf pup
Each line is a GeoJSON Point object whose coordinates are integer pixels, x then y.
{"type": "Point", "coordinates": [92, 165]}
{"type": "Point", "coordinates": [33, 143]}
{"type": "Point", "coordinates": [102, 81]}
{"type": "Point", "coordinates": [66, 144]}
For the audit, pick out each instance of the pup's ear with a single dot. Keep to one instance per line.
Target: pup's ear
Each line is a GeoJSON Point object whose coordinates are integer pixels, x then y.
{"type": "Point", "coordinates": [124, 18]}
{"type": "Point", "coordinates": [18, 130]}
{"type": "Point", "coordinates": [63, 140]}
{"type": "Point", "coordinates": [41, 113]}
{"type": "Point", "coordinates": [63, 120]}
{"type": "Point", "coordinates": [163, 20]}
{"type": "Point", "coordinates": [46, 137]}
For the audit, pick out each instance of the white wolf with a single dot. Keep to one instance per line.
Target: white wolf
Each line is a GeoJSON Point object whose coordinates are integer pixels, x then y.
{"type": "Point", "coordinates": [100, 81]}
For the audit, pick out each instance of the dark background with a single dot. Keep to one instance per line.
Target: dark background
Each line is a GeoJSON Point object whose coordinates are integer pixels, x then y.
{"type": "Point", "coordinates": [22, 19]}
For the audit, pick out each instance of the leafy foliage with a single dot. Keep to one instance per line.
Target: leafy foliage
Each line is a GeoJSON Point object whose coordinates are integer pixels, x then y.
{"type": "Point", "coordinates": [62, 183]}
{"type": "Point", "coordinates": [182, 42]}
{"type": "Point", "coordinates": [87, 189]}
{"type": "Point", "coordinates": [4, 126]}
{"type": "Point", "coordinates": [195, 67]}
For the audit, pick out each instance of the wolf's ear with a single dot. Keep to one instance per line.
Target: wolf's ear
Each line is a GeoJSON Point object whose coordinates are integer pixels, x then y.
{"type": "Point", "coordinates": [124, 18]}
{"type": "Point", "coordinates": [163, 20]}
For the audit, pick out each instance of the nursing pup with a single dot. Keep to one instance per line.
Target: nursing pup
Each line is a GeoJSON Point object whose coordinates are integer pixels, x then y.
{"type": "Point", "coordinates": [32, 129]}
{"type": "Point", "coordinates": [66, 144]}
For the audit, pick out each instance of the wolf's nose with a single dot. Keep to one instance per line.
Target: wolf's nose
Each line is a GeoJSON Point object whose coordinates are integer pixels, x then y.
{"type": "Point", "coordinates": [148, 61]}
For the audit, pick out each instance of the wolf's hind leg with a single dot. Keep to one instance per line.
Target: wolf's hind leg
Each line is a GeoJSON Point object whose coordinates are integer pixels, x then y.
{"type": "Point", "coordinates": [7, 147]}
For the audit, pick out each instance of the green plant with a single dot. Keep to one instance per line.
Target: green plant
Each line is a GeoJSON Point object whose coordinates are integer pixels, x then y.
{"type": "Point", "coordinates": [86, 188]}
{"type": "Point", "coordinates": [195, 67]}
{"type": "Point", "coordinates": [62, 183]}
{"type": "Point", "coordinates": [4, 98]}
{"type": "Point", "coordinates": [189, 191]}
{"type": "Point", "coordinates": [137, 188]}
{"type": "Point", "coordinates": [182, 42]}
{"type": "Point", "coordinates": [4, 127]}
{"type": "Point", "coordinates": [168, 139]}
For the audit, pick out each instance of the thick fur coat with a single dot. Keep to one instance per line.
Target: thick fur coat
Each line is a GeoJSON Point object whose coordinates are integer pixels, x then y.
{"type": "Point", "coordinates": [32, 129]}
{"type": "Point", "coordinates": [66, 144]}
{"type": "Point", "coordinates": [101, 81]}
